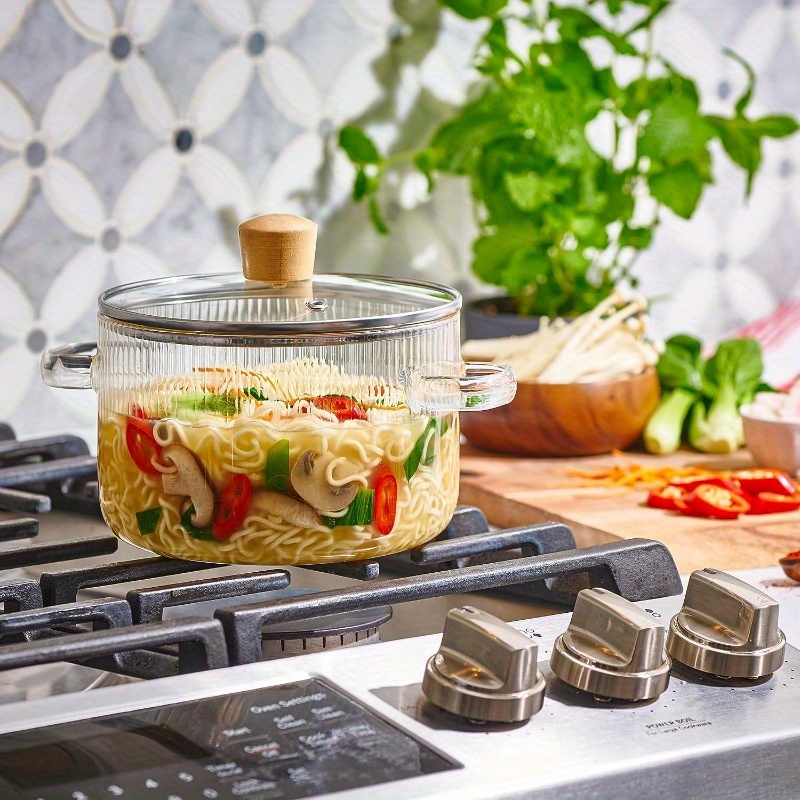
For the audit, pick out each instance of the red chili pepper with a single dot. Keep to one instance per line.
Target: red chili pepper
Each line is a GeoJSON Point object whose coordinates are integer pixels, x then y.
{"type": "Point", "coordinates": [689, 484]}
{"type": "Point", "coordinates": [773, 503]}
{"type": "Point", "coordinates": [716, 502]}
{"type": "Point", "coordinates": [666, 497]}
{"type": "Point", "coordinates": [138, 412]}
{"type": "Point", "coordinates": [385, 485]}
{"type": "Point", "coordinates": [683, 508]}
{"type": "Point", "coordinates": [755, 481]}
{"type": "Point", "coordinates": [233, 504]}
{"type": "Point", "coordinates": [343, 407]}
{"type": "Point", "coordinates": [142, 445]}
{"type": "Point", "coordinates": [793, 554]}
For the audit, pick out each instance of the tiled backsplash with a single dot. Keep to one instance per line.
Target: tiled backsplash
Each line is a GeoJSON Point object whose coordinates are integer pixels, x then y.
{"type": "Point", "coordinates": [133, 136]}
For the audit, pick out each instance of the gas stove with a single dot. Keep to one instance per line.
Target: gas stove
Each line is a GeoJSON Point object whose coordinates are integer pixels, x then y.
{"type": "Point", "coordinates": [356, 720]}
{"type": "Point", "coordinates": [85, 612]}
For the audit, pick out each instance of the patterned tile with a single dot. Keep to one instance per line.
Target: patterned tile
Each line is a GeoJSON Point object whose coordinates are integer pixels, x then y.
{"type": "Point", "coordinates": [134, 133]}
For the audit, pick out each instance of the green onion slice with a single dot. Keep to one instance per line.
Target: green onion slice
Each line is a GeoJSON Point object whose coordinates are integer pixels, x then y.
{"type": "Point", "coordinates": [148, 520]}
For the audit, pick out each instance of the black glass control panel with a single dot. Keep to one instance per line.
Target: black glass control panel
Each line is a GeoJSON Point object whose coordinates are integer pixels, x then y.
{"type": "Point", "coordinates": [296, 740]}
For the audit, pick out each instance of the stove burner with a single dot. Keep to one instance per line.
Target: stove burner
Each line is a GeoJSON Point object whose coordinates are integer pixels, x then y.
{"type": "Point", "coordinates": [316, 634]}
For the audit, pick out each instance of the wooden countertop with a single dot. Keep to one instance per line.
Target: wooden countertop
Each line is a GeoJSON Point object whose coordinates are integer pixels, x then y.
{"type": "Point", "coordinates": [516, 491]}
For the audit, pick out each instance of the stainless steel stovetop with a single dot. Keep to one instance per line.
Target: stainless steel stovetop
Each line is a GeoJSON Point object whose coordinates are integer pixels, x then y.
{"type": "Point", "coordinates": [300, 727]}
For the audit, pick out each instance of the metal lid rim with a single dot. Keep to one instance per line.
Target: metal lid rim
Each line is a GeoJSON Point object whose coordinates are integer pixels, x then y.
{"type": "Point", "coordinates": [288, 327]}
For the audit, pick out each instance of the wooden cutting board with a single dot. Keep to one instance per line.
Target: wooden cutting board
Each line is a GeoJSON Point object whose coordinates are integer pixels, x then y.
{"type": "Point", "coordinates": [520, 491]}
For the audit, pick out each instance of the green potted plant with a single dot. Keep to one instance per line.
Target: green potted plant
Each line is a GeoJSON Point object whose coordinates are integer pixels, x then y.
{"type": "Point", "coordinates": [560, 224]}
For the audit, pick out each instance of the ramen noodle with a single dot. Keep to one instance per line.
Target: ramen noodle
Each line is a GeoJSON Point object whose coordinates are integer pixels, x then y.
{"type": "Point", "coordinates": [293, 464]}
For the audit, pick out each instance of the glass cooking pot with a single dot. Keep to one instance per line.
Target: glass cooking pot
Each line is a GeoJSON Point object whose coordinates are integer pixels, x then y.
{"type": "Point", "coordinates": [278, 418]}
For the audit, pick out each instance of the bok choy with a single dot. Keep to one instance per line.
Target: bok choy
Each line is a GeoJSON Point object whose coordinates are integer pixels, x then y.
{"type": "Point", "coordinates": [731, 378]}
{"type": "Point", "coordinates": [707, 393]}
{"type": "Point", "coordinates": [680, 373]}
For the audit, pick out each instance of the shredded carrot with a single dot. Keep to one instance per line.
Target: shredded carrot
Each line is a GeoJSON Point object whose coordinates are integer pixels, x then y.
{"type": "Point", "coordinates": [631, 475]}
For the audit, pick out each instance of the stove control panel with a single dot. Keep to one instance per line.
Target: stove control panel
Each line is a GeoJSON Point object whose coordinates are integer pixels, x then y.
{"type": "Point", "coordinates": [612, 649]}
{"type": "Point", "coordinates": [726, 628]}
{"type": "Point", "coordinates": [485, 670]}
{"type": "Point", "coordinates": [295, 740]}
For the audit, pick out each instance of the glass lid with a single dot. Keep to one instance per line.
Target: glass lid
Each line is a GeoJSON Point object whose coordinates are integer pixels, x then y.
{"type": "Point", "coordinates": [278, 293]}
{"type": "Point", "coordinates": [230, 304]}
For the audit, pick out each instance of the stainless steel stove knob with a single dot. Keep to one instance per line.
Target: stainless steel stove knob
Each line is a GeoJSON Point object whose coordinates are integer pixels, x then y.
{"type": "Point", "coordinates": [485, 670]}
{"type": "Point", "coordinates": [612, 649]}
{"type": "Point", "coordinates": [726, 628]}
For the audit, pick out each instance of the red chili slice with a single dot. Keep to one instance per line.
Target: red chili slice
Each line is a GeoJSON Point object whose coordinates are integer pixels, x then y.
{"type": "Point", "coordinates": [138, 412]}
{"type": "Point", "coordinates": [666, 497]}
{"type": "Point", "coordinates": [142, 445]}
{"type": "Point", "coordinates": [689, 484]}
{"type": "Point", "coordinates": [774, 503]}
{"type": "Point", "coordinates": [385, 508]}
{"type": "Point", "coordinates": [716, 502]}
{"type": "Point", "coordinates": [343, 407]}
{"type": "Point", "coordinates": [233, 504]}
{"type": "Point", "coordinates": [755, 481]}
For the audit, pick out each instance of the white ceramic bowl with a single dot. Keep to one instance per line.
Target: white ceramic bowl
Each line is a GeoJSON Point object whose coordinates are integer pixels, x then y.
{"type": "Point", "coordinates": [773, 443]}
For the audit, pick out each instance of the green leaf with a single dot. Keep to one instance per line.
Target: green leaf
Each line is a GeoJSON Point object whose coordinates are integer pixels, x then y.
{"type": "Point", "coordinates": [550, 115]}
{"type": "Point", "coordinates": [376, 217]}
{"type": "Point", "coordinates": [493, 251]}
{"type": "Point", "coordinates": [497, 51]}
{"type": "Point", "coordinates": [530, 190]}
{"type": "Point", "coordinates": [525, 268]}
{"type": "Point", "coordinates": [675, 131]}
{"type": "Point", "coordinates": [589, 230]}
{"type": "Point", "coordinates": [577, 24]}
{"type": "Point", "coordinates": [619, 203]}
{"type": "Point", "coordinates": [457, 145]}
{"type": "Point", "coordinates": [775, 126]}
{"type": "Point", "coordinates": [643, 94]}
{"type": "Point", "coordinates": [741, 138]}
{"type": "Point", "coordinates": [679, 188]}
{"type": "Point", "coordinates": [576, 262]}
{"type": "Point", "coordinates": [638, 238]}
{"type": "Point", "coordinates": [575, 151]}
{"type": "Point", "coordinates": [358, 146]}
{"type": "Point", "coordinates": [741, 143]}
{"type": "Point", "coordinates": [473, 9]}
{"type": "Point", "coordinates": [148, 520]}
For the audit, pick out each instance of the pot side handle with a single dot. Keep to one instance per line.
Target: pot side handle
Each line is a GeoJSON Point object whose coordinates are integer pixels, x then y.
{"type": "Point", "coordinates": [69, 366]}
{"type": "Point", "coordinates": [459, 387]}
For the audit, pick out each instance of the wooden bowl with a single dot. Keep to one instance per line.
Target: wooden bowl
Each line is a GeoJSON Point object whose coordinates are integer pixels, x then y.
{"type": "Point", "coordinates": [567, 419]}
{"type": "Point", "coordinates": [791, 568]}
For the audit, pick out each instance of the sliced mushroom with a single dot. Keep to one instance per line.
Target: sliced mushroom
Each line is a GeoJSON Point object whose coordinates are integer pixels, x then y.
{"type": "Point", "coordinates": [188, 479]}
{"type": "Point", "coordinates": [287, 508]}
{"type": "Point", "coordinates": [308, 480]}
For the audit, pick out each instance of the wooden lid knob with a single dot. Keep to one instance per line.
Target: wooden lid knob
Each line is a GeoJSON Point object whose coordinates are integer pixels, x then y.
{"type": "Point", "coordinates": [278, 248]}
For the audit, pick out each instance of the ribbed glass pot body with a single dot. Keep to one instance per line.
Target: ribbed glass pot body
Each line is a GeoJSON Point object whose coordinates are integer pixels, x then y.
{"type": "Point", "coordinates": [295, 449]}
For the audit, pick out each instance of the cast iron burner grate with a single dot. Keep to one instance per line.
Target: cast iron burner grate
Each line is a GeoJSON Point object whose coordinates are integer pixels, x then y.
{"type": "Point", "coordinates": [39, 474]}
{"type": "Point", "coordinates": [44, 621]}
